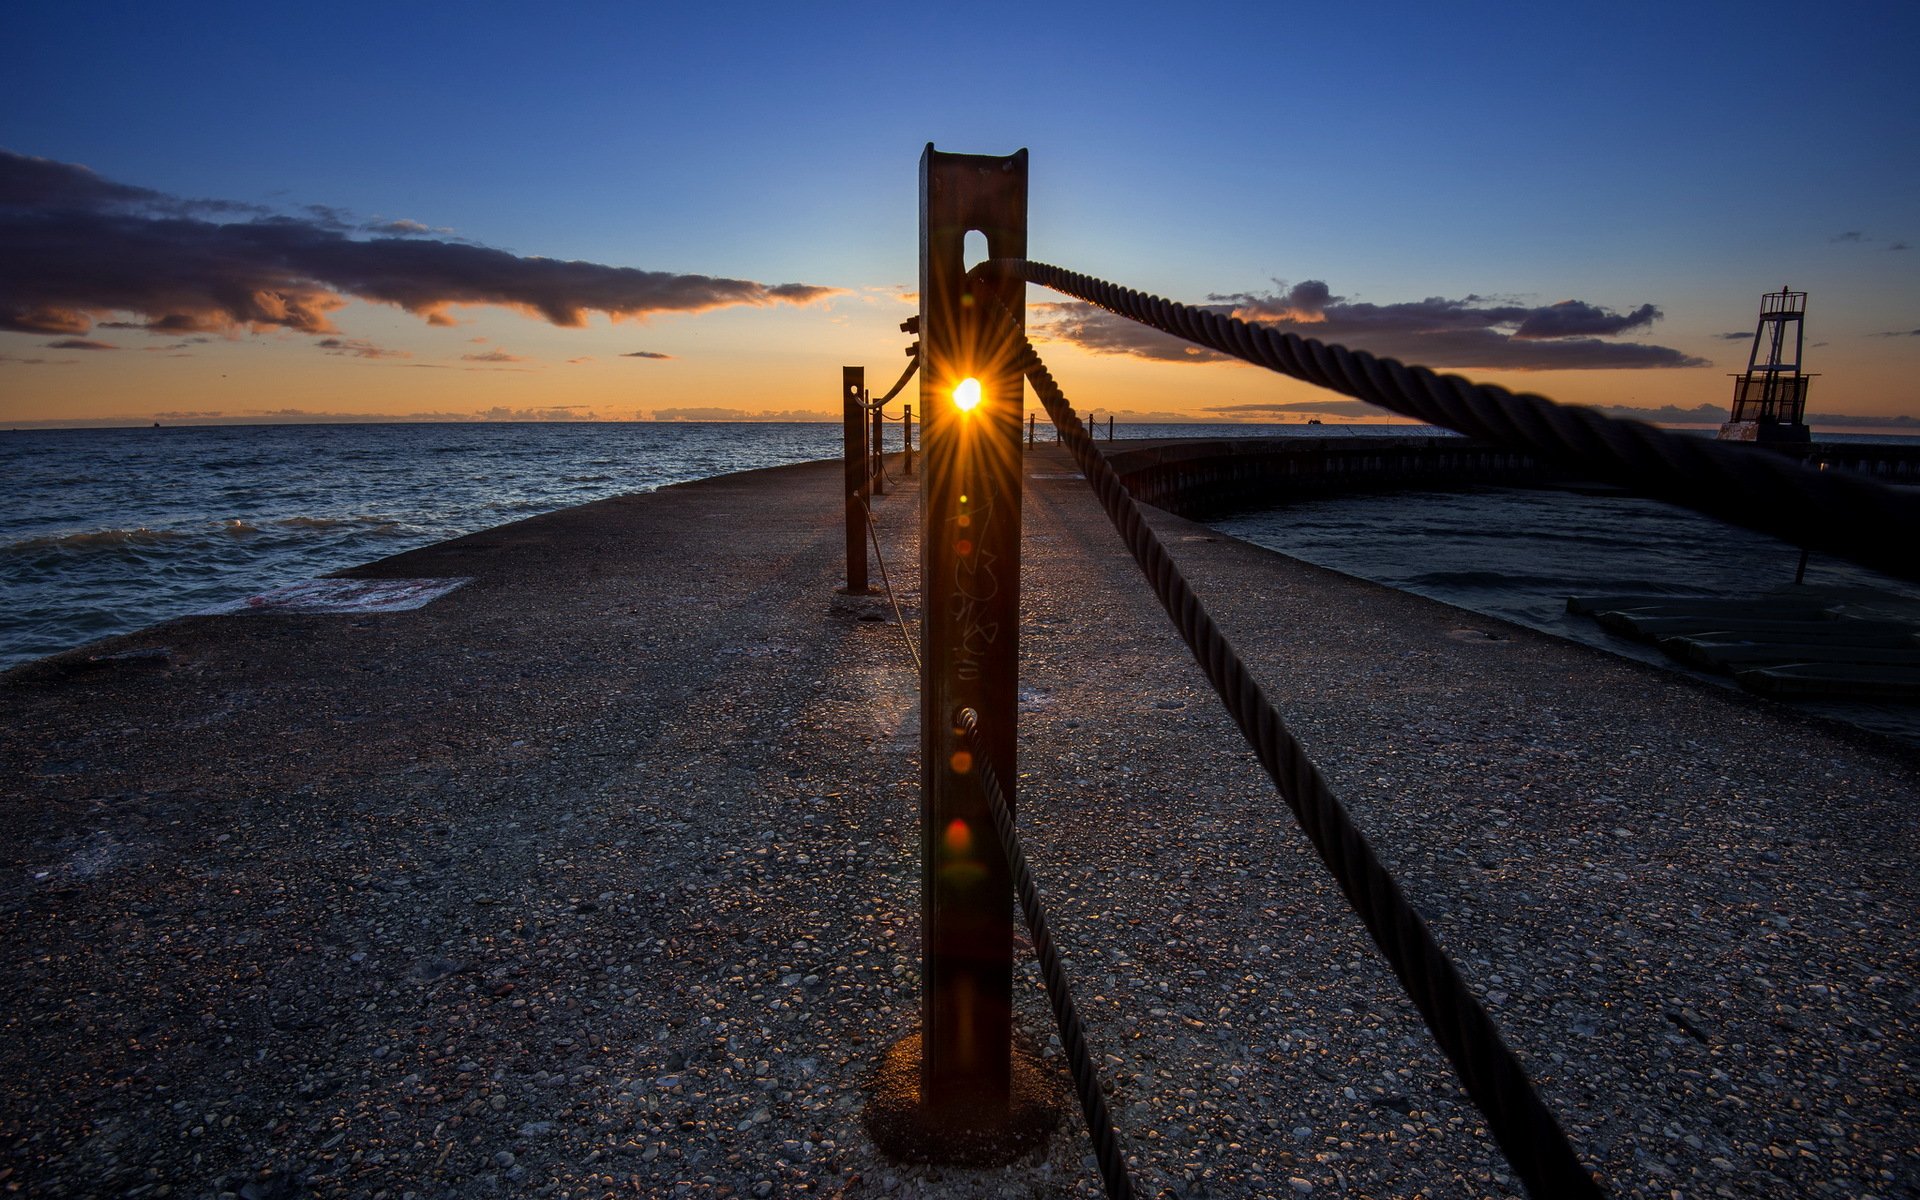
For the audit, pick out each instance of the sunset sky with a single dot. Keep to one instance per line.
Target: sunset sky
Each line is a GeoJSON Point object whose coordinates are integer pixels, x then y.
{"type": "Point", "coordinates": [619, 211]}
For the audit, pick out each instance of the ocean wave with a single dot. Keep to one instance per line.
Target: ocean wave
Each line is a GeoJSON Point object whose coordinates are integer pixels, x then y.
{"type": "Point", "coordinates": [137, 536]}
{"type": "Point", "coordinates": [378, 524]}
{"type": "Point", "coordinates": [238, 527]}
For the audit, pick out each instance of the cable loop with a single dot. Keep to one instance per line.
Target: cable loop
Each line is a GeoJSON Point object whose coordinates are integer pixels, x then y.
{"type": "Point", "coordinates": [913, 364]}
{"type": "Point", "coordinates": [873, 532]}
{"type": "Point", "coordinates": [1073, 1035]}
{"type": "Point", "coordinates": [1853, 518]}
{"type": "Point", "coordinates": [1526, 1131]}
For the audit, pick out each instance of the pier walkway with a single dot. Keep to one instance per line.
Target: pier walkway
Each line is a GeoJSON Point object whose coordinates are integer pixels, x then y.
{"type": "Point", "coordinates": [598, 875]}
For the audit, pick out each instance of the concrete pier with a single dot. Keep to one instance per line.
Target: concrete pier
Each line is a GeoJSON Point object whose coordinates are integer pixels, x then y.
{"type": "Point", "coordinates": [595, 876]}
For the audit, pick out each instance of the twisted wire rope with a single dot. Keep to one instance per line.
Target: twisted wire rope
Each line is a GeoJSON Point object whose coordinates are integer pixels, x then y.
{"type": "Point", "coordinates": [913, 364]}
{"type": "Point", "coordinates": [1066, 1018]}
{"type": "Point", "coordinates": [873, 532]}
{"type": "Point", "coordinates": [1859, 519]}
{"type": "Point", "coordinates": [1525, 1130]}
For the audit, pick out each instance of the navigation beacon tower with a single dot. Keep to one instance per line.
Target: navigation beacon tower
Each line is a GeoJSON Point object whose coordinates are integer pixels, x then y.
{"type": "Point", "coordinates": [1770, 398]}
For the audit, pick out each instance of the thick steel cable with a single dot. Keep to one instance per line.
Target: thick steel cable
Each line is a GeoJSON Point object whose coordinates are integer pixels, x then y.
{"type": "Point", "coordinates": [1526, 1131]}
{"type": "Point", "coordinates": [913, 364]}
{"type": "Point", "coordinates": [873, 532]}
{"type": "Point", "coordinates": [1858, 519]}
{"type": "Point", "coordinates": [1073, 1035]}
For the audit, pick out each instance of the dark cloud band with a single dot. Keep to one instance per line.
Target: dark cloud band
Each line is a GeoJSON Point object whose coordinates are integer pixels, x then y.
{"type": "Point", "coordinates": [75, 247]}
{"type": "Point", "coordinates": [1472, 332]}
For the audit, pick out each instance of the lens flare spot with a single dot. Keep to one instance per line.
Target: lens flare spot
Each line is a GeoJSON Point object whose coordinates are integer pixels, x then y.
{"type": "Point", "coordinates": [961, 762]}
{"type": "Point", "coordinates": [966, 395]}
{"type": "Point", "coordinates": [959, 838]}
{"type": "Point", "coordinates": [963, 521]}
{"type": "Point", "coordinates": [963, 547]}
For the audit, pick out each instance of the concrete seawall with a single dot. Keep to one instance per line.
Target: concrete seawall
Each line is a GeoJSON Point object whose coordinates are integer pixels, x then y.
{"type": "Point", "coordinates": [1202, 475]}
{"type": "Point", "coordinates": [597, 876]}
{"type": "Point", "coordinates": [1198, 476]}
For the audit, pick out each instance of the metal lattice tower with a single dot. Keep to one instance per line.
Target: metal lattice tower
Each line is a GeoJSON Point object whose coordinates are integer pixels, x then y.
{"type": "Point", "coordinates": [1770, 397]}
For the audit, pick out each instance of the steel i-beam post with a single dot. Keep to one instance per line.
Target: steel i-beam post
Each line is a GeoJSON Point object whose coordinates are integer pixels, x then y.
{"type": "Point", "coordinates": [853, 383]}
{"type": "Point", "coordinates": [970, 561]}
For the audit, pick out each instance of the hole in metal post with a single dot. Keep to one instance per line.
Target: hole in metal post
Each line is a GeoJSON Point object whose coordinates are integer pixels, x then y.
{"type": "Point", "coordinates": [974, 251]}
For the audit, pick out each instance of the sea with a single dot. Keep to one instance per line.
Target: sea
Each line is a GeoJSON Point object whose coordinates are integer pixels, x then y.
{"type": "Point", "coordinates": [105, 531]}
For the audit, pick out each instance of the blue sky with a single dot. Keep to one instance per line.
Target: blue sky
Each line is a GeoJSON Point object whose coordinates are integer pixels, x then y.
{"type": "Point", "coordinates": [1684, 156]}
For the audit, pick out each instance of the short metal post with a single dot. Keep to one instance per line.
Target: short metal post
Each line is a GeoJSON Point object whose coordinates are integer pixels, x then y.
{"type": "Point", "coordinates": [854, 452]}
{"type": "Point", "coordinates": [877, 447]}
{"type": "Point", "coordinates": [906, 435]}
{"type": "Point", "coordinates": [1030, 429]}
{"type": "Point", "coordinates": [970, 573]}
{"type": "Point", "coordinates": [1109, 426]}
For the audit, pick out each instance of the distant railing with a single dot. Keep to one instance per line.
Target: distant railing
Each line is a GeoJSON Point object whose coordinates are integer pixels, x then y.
{"type": "Point", "coordinates": [971, 330]}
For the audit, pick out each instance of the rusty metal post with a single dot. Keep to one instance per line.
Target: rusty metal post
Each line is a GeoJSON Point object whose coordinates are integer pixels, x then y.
{"type": "Point", "coordinates": [854, 452]}
{"type": "Point", "coordinates": [906, 435]}
{"type": "Point", "coordinates": [1030, 417]}
{"type": "Point", "coordinates": [970, 573]}
{"type": "Point", "coordinates": [877, 449]}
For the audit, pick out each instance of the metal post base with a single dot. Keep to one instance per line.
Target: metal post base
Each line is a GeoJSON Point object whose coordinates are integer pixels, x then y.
{"type": "Point", "coordinates": [970, 1135]}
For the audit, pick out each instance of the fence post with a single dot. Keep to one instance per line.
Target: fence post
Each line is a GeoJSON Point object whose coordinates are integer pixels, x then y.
{"type": "Point", "coordinates": [970, 573]}
{"type": "Point", "coordinates": [876, 450]}
{"type": "Point", "coordinates": [853, 382]}
{"type": "Point", "coordinates": [906, 435]}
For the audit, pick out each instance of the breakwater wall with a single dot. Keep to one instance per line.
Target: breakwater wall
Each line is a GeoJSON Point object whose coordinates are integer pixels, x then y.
{"type": "Point", "coordinates": [1194, 477]}
{"type": "Point", "coordinates": [1200, 476]}
{"type": "Point", "coordinates": [1887, 463]}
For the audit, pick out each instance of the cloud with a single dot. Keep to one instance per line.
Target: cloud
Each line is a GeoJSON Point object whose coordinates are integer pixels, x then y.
{"type": "Point", "coordinates": [358, 348]}
{"type": "Point", "coordinates": [1715, 414]}
{"type": "Point", "coordinates": [1103, 332]}
{"type": "Point", "coordinates": [645, 354]}
{"type": "Point", "coordinates": [1851, 235]}
{"type": "Point", "coordinates": [556, 412]}
{"type": "Point", "coordinates": [80, 344]}
{"type": "Point", "coordinates": [741, 414]}
{"type": "Point", "coordinates": [1888, 333]}
{"type": "Point", "coordinates": [1899, 246]}
{"type": "Point", "coordinates": [493, 356]}
{"type": "Point", "coordinates": [402, 228]}
{"type": "Point", "coordinates": [1332, 407]}
{"type": "Point", "coordinates": [75, 247]}
{"type": "Point", "coordinates": [1738, 335]}
{"type": "Point", "coordinates": [1473, 331]}
{"type": "Point", "coordinates": [1576, 318]}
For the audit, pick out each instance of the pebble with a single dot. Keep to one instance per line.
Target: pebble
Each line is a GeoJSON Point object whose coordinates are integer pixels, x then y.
{"type": "Point", "coordinates": [668, 947]}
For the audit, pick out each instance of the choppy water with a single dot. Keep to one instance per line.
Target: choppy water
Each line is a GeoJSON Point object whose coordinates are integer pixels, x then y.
{"type": "Point", "coordinates": [104, 531]}
{"type": "Point", "coordinates": [1519, 553]}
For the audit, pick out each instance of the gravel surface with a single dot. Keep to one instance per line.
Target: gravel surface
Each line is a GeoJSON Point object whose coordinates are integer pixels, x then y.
{"type": "Point", "coordinates": [597, 877]}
